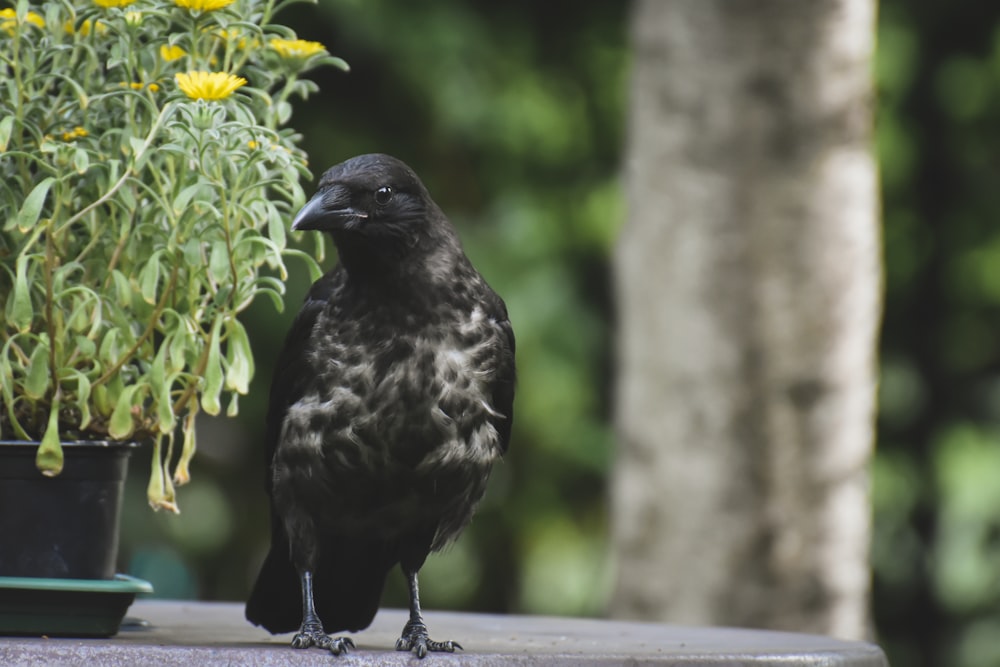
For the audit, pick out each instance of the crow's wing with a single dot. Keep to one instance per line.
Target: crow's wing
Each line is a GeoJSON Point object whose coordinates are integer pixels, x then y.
{"type": "Point", "coordinates": [293, 372]}
{"type": "Point", "coordinates": [502, 398]}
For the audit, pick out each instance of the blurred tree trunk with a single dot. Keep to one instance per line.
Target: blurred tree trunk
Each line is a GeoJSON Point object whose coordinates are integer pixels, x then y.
{"type": "Point", "coordinates": [748, 282]}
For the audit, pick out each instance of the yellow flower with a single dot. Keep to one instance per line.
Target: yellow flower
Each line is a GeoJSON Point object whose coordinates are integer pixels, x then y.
{"type": "Point", "coordinates": [76, 133]}
{"type": "Point", "coordinates": [203, 5]}
{"type": "Point", "coordinates": [208, 85]}
{"type": "Point", "coordinates": [172, 52]}
{"type": "Point", "coordinates": [85, 27]}
{"type": "Point", "coordinates": [296, 48]}
{"type": "Point", "coordinates": [113, 3]}
{"type": "Point", "coordinates": [237, 37]}
{"type": "Point", "coordinates": [8, 20]}
{"type": "Point", "coordinates": [133, 18]}
{"type": "Point", "coordinates": [139, 85]}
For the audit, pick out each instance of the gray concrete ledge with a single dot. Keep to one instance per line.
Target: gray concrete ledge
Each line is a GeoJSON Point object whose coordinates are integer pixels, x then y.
{"type": "Point", "coordinates": [190, 634]}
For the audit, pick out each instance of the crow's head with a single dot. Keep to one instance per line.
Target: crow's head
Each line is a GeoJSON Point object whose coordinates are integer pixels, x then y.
{"type": "Point", "coordinates": [374, 196]}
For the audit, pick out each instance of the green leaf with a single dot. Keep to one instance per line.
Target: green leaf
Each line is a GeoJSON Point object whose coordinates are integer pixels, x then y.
{"type": "Point", "coordinates": [37, 381]}
{"type": "Point", "coordinates": [6, 377]}
{"type": "Point", "coordinates": [276, 299]}
{"type": "Point", "coordinates": [276, 230]}
{"type": "Point", "coordinates": [138, 145]}
{"type": "Point", "coordinates": [121, 425]}
{"type": "Point", "coordinates": [81, 160]}
{"type": "Point", "coordinates": [183, 198]}
{"type": "Point", "coordinates": [192, 253]}
{"type": "Point", "coordinates": [214, 377]}
{"type": "Point", "coordinates": [123, 288]}
{"type": "Point", "coordinates": [21, 312]}
{"type": "Point", "coordinates": [102, 400]}
{"type": "Point", "coordinates": [315, 270]}
{"type": "Point", "coordinates": [85, 346]}
{"type": "Point", "coordinates": [108, 352]}
{"type": "Point", "coordinates": [218, 263]}
{"type": "Point", "coordinates": [32, 207]}
{"type": "Point", "coordinates": [333, 61]}
{"type": "Point", "coordinates": [6, 127]}
{"type": "Point", "coordinates": [49, 459]}
{"type": "Point", "coordinates": [178, 344]}
{"type": "Point", "coordinates": [150, 278]}
{"type": "Point", "coordinates": [158, 369]}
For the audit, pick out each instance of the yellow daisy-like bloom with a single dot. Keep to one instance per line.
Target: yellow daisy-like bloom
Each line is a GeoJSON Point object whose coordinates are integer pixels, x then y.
{"type": "Point", "coordinates": [208, 85]}
{"type": "Point", "coordinates": [8, 20]}
{"type": "Point", "coordinates": [172, 52]}
{"type": "Point", "coordinates": [203, 5]}
{"type": "Point", "coordinates": [296, 48]}
{"type": "Point", "coordinates": [113, 3]}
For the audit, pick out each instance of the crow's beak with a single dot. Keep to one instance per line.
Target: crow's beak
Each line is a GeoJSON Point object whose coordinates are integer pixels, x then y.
{"type": "Point", "coordinates": [328, 210]}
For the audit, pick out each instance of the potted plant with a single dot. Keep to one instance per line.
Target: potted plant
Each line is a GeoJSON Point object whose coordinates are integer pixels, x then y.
{"type": "Point", "coordinates": [145, 180]}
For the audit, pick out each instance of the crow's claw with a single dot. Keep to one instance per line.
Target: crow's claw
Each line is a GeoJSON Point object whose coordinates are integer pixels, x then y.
{"type": "Point", "coordinates": [415, 639]}
{"type": "Point", "coordinates": [308, 636]}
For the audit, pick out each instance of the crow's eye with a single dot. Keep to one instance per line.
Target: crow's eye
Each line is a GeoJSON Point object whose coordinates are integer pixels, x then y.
{"type": "Point", "coordinates": [383, 195]}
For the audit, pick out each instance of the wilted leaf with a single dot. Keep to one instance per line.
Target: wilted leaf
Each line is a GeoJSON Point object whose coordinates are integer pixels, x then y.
{"type": "Point", "coordinates": [165, 407]}
{"type": "Point", "coordinates": [49, 459]}
{"type": "Point", "coordinates": [182, 474]}
{"type": "Point", "coordinates": [214, 377]}
{"type": "Point", "coordinates": [83, 399]}
{"type": "Point", "coordinates": [239, 357]}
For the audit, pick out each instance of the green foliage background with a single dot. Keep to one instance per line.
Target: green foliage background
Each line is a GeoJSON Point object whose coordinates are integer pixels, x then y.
{"type": "Point", "coordinates": [513, 113]}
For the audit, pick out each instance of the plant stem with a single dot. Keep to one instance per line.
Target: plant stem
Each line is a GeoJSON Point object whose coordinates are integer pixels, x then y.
{"type": "Point", "coordinates": [50, 324]}
{"type": "Point", "coordinates": [124, 177]}
{"type": "Point", "coordinates": [150, 328]}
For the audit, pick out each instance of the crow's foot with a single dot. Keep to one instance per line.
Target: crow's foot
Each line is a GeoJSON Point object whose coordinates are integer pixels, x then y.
{"type": "Point", "coordinates": [415, 639]}
{"type": "Point", "coordinates": [313, 635]}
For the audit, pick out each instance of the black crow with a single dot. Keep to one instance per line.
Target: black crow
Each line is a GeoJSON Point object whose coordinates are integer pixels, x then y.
{"type": "Point", "coordinates": [390, 402]}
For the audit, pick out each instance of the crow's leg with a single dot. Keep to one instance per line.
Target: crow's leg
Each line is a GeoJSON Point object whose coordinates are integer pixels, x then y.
{"type": "Point", "coordinates": [414, 636]}
{"type": "Point", "coordinates": [311, 633]}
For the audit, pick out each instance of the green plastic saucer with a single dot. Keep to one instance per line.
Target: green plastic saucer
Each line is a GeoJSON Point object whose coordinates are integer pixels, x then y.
{"type": "Point", "coordinates": [66, 607]}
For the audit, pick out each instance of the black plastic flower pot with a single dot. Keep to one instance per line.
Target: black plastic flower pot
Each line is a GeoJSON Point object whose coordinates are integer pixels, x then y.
{"type": "Point", "coordinates": [64, 526]}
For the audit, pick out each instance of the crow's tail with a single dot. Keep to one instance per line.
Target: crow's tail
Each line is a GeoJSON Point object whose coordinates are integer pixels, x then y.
{"type": "Point", "coordinates": [347, 587]}
{"type": "Point", "coordinates": [276, 599]}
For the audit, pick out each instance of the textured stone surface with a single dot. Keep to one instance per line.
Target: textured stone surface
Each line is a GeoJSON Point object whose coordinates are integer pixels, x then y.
{"type": "Point", "coordinates": [210, 634]}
